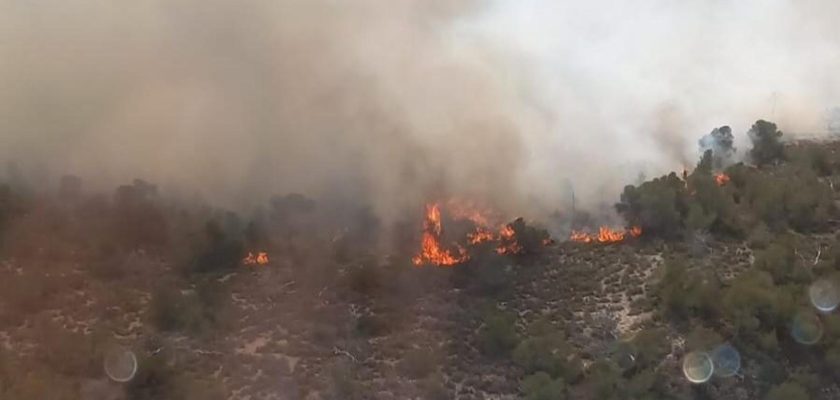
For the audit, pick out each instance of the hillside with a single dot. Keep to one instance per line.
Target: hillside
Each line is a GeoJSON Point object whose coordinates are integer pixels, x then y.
{"type": "Point", "coordinates": [326, 316]}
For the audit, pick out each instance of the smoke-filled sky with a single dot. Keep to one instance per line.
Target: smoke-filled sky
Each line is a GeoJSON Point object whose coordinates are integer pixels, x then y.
{"type": "Point", "coordinates": [390, 102]}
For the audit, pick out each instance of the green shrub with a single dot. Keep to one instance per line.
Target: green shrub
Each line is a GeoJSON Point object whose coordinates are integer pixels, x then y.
{"type": "Point", "coordinates": [685, 293]}
{"type": "Point", "coordinates": [497, 336]}
{"type": "Point", "coordinates": [540, 386]}
{"type": "Point", "coordinates": [657, 206]}
{"type": "Point", "coordinates": [550, 353]}
{"type": "Point", "coordinates": [766, 140]}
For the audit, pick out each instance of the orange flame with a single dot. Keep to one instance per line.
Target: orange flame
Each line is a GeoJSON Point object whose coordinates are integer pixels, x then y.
{"type": "Point", "coordinates": [580, 237]}
{"type": "Point", "coordinates": [605, 235]}
{"type": "Point", "coordinates": [480, 235]}
{"type": "Point", "coordinates": [507, 241]}
{"type": "Point", "coordinates": [431, 251]}
{"type": "Point", "coordinates": [721, 179]}
{"type": "Point", "coordinates": [261, 258]}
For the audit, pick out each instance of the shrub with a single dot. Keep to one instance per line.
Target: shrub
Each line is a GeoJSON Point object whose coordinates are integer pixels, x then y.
{"type": "Point", "coordinates": [720, 143]}
{"type": "Point", "coordinates": [550, 353]}
{"type": "Point", "coordinates": [138, 219]}
{"type": "Point", "coordinates": [372, 325]}
{"type": "Point", "coordinates": [194, 312]}
{"type": "Point", "coordinates": [540, 386]}
{"type": "Point", "coordinates": [154, 380]}
{"type": "Point", "coordinates": [685, 293]}
{"type": "Point", "coordinates": [767, 146]}
{"type": "Point", "coordinates": [754, 303]}
{"type": "Point", "coordinates": [219, 252]}
{"type": "Point", "coordinates": [780, 261]}
{"type": "Point", "coordinates": [530, 239]}
{"type": "Point", "coordinates": [788, 391]}
{"type": "Point", "coordinates": [498, 335]}
{"type": "Point", "coordinates": [656, 206]}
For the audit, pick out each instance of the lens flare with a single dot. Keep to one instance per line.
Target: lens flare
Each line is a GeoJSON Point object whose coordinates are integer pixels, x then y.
{"type": "Point", "coordinates": [824, 295]}
{"type": "Point", "coordinates": [698, 367]}
{"type": "Point", "coordinates": [120, 364]}
{"type": "Point", "coordinates": [806, 328]}
{"type": "Point", "coordinates": [726, 360]}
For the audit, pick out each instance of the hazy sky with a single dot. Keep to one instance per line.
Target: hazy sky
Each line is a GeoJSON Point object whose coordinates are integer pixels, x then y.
{"type": "Point", "coordinates": [392, 102]}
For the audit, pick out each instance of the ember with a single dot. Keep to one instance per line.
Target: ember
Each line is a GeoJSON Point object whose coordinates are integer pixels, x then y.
{"type": "Point", "coordinates": [721, 179]}
{"type": "Point", "coordinates": [260, 258]}
{"type": "Point", "coordinates": [481, 235]}
{"type": "Point", "coordinates": [507, 241]}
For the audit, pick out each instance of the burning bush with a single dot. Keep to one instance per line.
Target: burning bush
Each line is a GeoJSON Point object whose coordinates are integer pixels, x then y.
{"type": "Point", "coordinates": [471, 229]}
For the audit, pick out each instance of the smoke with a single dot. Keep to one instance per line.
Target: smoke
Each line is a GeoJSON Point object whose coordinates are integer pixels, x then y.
{"type": "Point", "coordinates": [390, 102]}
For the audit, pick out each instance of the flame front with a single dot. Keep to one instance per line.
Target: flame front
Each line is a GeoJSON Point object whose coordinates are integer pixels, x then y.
{"type": "Point", "coordinates": [605, 235]}
{"type": "Point", "coordinates": [580, 237]}
{"type": "Point", "coordinates": [721, 179]}
{"type": "Point", "coordinates": [507, 241]}
{"type": "Point", "coordinates": [481, 235]}
{"type": "Point", "coordinates": [260, 258]}
{"type": "Point", "coordinates": [431, 251]}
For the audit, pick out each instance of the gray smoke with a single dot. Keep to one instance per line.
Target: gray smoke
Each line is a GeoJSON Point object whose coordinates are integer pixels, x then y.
{"type": "Point", "coordinates": [393, 102]}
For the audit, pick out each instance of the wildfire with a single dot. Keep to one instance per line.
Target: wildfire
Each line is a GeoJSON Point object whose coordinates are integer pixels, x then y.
{"type": "Point", "coordinates": [481, 235]}
{"type": "Point", "coordinates": [260, 258]}
{"type": "Point", "coordinates": [580, 237]}
{"type": "Point", "coordinates": [605, 235]}
{"type": "Point", "coordinates": [507, 241]}
{"type": "Point", "coordinates": [432, 251]}
{"type": "Point", "coordinates": [721, 179]}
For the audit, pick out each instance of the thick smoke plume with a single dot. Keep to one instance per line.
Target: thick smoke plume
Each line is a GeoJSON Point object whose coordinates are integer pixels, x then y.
{"type": "Point", "coordinates": [391, 102]}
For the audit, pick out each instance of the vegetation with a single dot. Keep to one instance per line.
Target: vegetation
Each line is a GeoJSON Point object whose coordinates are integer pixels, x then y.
{"type": "Point", "coordinates": [498, 335]}
{"type": "Point", "coordinates": [766, 234]}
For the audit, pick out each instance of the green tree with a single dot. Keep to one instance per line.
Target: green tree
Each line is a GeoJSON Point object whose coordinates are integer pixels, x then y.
{"type": "Point", "coordinates": [657, 206]}
{"type": "Point", "coordinates": [766, 140]}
